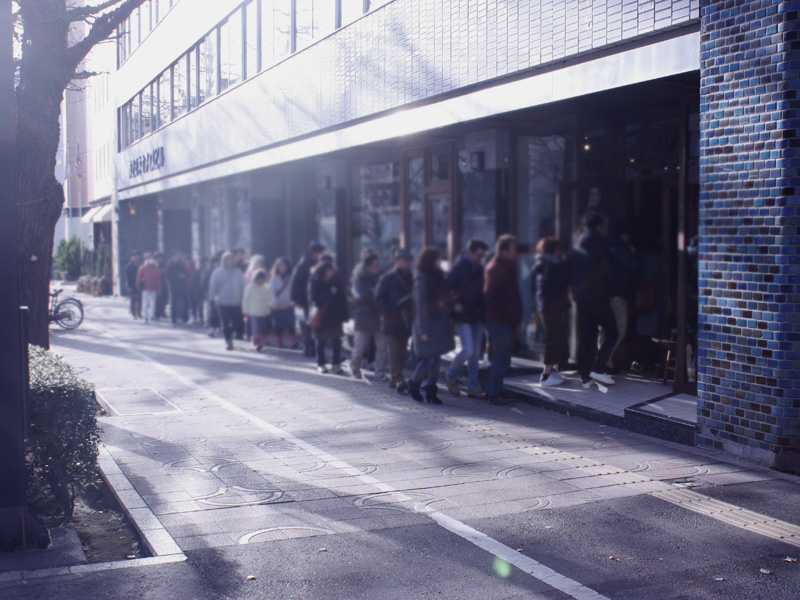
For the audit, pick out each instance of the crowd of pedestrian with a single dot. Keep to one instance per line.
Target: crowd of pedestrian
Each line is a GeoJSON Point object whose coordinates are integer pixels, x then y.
{"type": "Point", "coordinates": [413, 306]}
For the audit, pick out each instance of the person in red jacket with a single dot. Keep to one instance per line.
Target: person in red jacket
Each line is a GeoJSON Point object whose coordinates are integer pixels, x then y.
{"type": "Point", "coordinates": [148, 280]}
{"type": "Point", "coordinates": [503, 312]}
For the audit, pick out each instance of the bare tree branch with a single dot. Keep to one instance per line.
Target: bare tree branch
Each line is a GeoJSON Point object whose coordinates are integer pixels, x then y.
{"type": "Point", "coordinates": [84, 75]}
{"type": "Point", "coordinates": [82, 12]}
{"type": "Point", "coordinates": [103, 27]}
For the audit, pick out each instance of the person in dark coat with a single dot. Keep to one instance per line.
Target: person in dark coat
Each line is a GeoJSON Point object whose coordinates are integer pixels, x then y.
{"type": "Point", "coordinates": [367, 318]}
{"type": "Point", "coordinates": [131, 274]}
{"type": "Point", "coordinates": [300, 290]}
{"type": "Point", "coordinates": [591, 276]}
{"type": "Point", "coordinates": [163, 295]}
{"type": "Point", "coordinates": [327, 295]}
{"type": "Point", "coordinates": [178, 280]}
{"type": "Point", "coordinates": [197, 291]}
{"type": "Point", "coordinates": [213, 314]}
{"type": "Point", "coordinates": [393, 297]}
{"type": "Point", "coordinates": [503, 312]}
{"type": "Point", "coordinates": [465, 281]}
{"type": "Point", "coordinates": [551, 273]}
{"type": "Point", "coordinates": [432, 329]}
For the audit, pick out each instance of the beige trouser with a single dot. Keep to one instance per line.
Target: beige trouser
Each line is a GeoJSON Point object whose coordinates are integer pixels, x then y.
{"type": "Point", "coordinates": [360, 345]}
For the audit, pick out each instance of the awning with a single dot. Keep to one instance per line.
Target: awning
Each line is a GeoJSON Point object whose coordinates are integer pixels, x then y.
{"type": "Point", "coordinates": [89, 216]}
{"type": "Point", "coordinates": [103, 214]}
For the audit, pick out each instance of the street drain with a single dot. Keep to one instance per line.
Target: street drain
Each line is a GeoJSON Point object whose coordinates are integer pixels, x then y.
{"type": "Point", "coordinates": [123, 402]}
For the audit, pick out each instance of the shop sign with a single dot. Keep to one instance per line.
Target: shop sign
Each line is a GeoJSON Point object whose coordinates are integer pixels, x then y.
{"type": "Point", "coordinates": [152, 161]}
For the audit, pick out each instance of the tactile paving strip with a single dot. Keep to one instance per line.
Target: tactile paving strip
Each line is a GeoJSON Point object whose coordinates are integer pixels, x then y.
{"type": "Point", "coordinates": [733, 515]}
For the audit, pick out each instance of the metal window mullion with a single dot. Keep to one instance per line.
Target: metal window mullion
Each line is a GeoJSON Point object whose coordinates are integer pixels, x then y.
{"type": "Point", "coordinates": [293, 27]}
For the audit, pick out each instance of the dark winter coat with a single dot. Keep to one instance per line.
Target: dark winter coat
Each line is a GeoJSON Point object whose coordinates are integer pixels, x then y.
{"type": "Point", "coordinates": [501, 291]}
{"type": "Point", "coordinates": [465, 280]}
{"type": "Point", "coordinates": [624, 272]}
{"type": "Point", "coordinates": [334, 306]}
{"type": "Point", "coordinates": [591, 269]}
{"type": "Point", "coordinates": [431, 315]}
{"type": "Point", "coordinates": [131, 273]}
{"type": "Point", "coordinates": [300, 281]}
{"type": "Point", "coordinates": [394, 298]}
{"type": "Point", "coordinates": [366, 316]}
{"type": "Point", "coordinates": [177, 276]}
{"type": "Point", "coordinates": [552, 284]}
{"type": "Point", "coordinates": [196, 287]}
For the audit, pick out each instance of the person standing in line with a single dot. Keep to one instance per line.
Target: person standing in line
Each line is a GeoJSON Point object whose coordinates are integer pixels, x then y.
{"type": "Point", "coordinates": [197, 291]}
{"type": "Point", "coordinates": [465, 281]}
{"type": "Point", "coordinates": [328, 298]}
{"type": "Point", "coordinates": [300, 291]}
{"type": "Point", "coordinates": [178, 280]}
{"type": "Point", "coordinates": [367, 318]}
{"type": "Point", "coordinates": [503, 312]}
{"type": "Point", "coordinates": [551, 273]}
{"type": "Point", "coordinates": [624, 274]}
{"type": "Point", "coordinates": [590, 278]}
{"type": "Point", "coordinates": [213, 314]}
{"type": "Point", "coordinates": [163, 295]}
{"type": "Point", "coordinates": [282, 309]}
{"type": "Point", "coordinates": [226, 292]}
{"type": "Point", "coordinates": [432, 330]}
{"type": "Point", "coordinates": [256, 264]}
{"type": "Point", "coordinates": [149, 281]}
{"type": "Point", "coordinates": [242, 325]}
{"type": "Point", "coordinates": [394, 299]}
{"type": "Point", "coordinates": [131, 275]}
{"type": "Point", "coordinates": [257, 303]}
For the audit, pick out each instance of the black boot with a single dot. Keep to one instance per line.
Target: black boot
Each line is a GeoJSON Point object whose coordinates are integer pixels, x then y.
{"type": "Point", "coordinates": [413, 388]}
{"type": "Point", "coordinates": [431, 394]}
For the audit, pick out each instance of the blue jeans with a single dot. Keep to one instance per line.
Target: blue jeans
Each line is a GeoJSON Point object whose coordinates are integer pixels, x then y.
{"type": "Point", "coordinates": [427, 371]}
{"type": "Point", "coordinates": [470, 335]}
{"type": "Point", "coordinates": [502, 338]}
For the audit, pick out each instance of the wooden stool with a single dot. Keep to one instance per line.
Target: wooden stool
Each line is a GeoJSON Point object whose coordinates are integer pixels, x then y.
{"type": "Point", "coordinates": [670, 363]}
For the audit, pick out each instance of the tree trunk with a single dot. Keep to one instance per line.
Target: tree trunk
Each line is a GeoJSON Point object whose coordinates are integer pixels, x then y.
{"type": "Point", "coordinates": [43, 78]}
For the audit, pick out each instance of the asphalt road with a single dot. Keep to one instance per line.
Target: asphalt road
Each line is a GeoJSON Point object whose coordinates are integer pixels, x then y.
{"type": "Point", "coordinates": [277, 482]}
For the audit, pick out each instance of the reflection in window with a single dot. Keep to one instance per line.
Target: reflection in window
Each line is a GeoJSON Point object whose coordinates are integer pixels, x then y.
{"type": "Point", "coordinates": [230, 51]}
{"type": "Point", "coordinates": [440, 166]}
{"type": "Point", "coordinates": [282, 28]}
{"type": "Point", "coordinates": [147, 108]}
{"type": "Point", "coordinates": [191, 67]}
{"type": "Point", "coordinates": [324, 18]}
{"type": "Point", "coordinates": [416, 193]}
{"type": "Point", "coordinates": [165, 98]}
{"type": "Point", "coordinates": [208, 67]}
{"type": "Point", "coordinates": [179, 87]}
{"type": "Point", "coordinates": [125, 125]}
{"type": "Point", "coordinates": [267, 34]}
{"type": "Point", "coordinates": [377, 210]}
{"type": "Point", "coordinates": [251, 39]}
{"type": "Point", "coordinates": [351, 10]}
{"type": "Point", "coordinates": [303, 23]}
{"type": "Point", "coordinates": [135, 120]}
{"type": "Point", "coordinates": [479, 212]}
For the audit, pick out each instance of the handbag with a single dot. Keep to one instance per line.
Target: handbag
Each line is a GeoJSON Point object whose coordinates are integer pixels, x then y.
{"type": "Point", "coordinates": [315, 317]}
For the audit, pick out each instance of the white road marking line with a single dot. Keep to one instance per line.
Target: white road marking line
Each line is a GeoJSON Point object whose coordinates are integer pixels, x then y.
{"type": "Point", "coordinates": [524, 563]}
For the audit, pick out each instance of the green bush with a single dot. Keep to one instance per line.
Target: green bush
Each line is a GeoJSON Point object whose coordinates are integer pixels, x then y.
{"type": "Point", "coordinates": [68, 257]}
{"type": "Point", "coordinates": [61, 448]}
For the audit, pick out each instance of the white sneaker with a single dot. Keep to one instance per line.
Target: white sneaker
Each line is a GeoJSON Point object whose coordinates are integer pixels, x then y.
{"type": "Point", "coordinates": [587, 384]}
{"type": "Point", "coordinates": [552, 380]}
{"type": "Point", "coordinates": [602, 378]}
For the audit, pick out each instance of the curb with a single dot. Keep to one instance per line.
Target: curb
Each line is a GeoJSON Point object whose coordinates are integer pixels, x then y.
{"type": "Point", "coordinates": [155, 537]}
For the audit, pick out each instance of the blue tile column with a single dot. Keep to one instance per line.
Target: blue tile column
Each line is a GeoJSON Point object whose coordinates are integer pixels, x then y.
{"type": "Point", "coordinates": [749, 339]}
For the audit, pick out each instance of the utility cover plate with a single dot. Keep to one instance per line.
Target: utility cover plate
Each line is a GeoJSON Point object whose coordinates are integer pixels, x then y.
{"type": "Point", "coordinates": [131, 401]}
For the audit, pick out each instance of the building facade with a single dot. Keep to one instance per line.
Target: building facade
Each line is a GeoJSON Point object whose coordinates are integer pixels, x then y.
{"type": "Point", "coordinates": [267, 124]}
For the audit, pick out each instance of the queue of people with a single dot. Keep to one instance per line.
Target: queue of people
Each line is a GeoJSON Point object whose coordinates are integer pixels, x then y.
{"type": "Point", "coordinates": [413, 306]}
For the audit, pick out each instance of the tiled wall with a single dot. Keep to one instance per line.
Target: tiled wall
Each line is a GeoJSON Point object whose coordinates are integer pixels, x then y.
{"type": "Point", "coordinates": [749, 355]}
{"type": "Point", "coordinates": [405, 52]}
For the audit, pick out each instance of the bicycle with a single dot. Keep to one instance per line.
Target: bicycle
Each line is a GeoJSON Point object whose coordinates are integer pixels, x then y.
{"type": "Point", "coordinates": [68, 313]}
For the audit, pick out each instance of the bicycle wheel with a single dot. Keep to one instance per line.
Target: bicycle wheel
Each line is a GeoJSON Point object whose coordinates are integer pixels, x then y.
{"type": "Point", "coordinates": [69, 313]}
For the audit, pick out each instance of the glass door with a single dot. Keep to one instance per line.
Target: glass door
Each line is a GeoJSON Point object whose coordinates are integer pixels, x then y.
{"type": "Point", "coordinates": [438, 220]}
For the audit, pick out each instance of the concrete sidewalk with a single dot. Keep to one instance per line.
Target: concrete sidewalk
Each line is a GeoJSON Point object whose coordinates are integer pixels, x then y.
{"type": "Point", "coordinates": [214, 450]}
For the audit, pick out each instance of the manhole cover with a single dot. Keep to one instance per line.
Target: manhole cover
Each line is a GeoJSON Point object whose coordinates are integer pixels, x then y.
{"type": "Point", "coordinates": [134, 401]}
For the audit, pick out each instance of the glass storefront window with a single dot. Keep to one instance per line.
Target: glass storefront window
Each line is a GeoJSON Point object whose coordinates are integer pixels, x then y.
{"type": "Point", "coordinates": [440, 165]}
{"type": "Point", "coordinates": [377, 210]}
{"type": "Point", "coordinates": [351, 10]}
{"type": "Point", "coordinates": [416, 199]}
{"type": "Point", "coordinates": [179, 88]}
{"type": "Point", "coordinates": [281, 28]}
{"type": "Point", "coordinates": [251, 39]}
{"type": "Point", "coordinates": [478, 207]}
{"type": "Point", "coordinates": [135, 120]}
{"type": "Point", "coordinates": [230, 51]}
{"type": "Point", "coordinates": [303, 21]}
{"type": "Point", "coordinates": [208, 67]}
{"type": "Point", "coordinates": [147, 108]}
{"type": "Point", "coordinates": [165, 98]}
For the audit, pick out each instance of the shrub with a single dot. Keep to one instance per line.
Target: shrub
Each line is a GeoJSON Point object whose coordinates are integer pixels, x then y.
{"type": "Point", "coordinates": [61, 448]}
{"type": "Point", "coordinates": [68, 257]}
